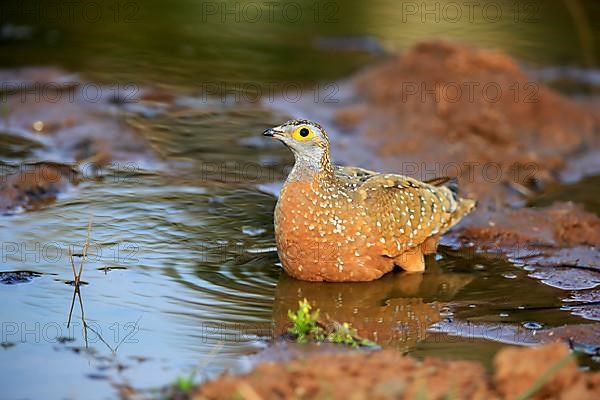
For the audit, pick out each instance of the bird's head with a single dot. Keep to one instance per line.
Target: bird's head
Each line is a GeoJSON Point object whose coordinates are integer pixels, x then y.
{"type": "Point", "coordinates": [307, 140]}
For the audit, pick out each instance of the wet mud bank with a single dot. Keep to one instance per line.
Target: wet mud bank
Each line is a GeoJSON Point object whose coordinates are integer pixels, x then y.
{"type": "Point", "coordinates": [60, 130]}
{"type": "Point", "coordinates": [388, 374]}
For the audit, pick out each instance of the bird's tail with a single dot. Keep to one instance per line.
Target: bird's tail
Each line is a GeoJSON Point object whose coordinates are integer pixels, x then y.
{"type": "Point", "coordinates": [459, 207]}
{"type": "Point", "coordinates": [465, 206]}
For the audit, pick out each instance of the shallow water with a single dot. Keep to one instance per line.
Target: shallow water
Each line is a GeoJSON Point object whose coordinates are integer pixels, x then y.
{"type": "Point", "coordinates": [181, 271]}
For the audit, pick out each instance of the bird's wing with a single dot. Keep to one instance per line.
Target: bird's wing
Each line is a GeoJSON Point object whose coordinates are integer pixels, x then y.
{"type": "Point", "coordinates": [406, 211]}
{"type": "Point", "coordinates": [353, 174]}
{"type": "Point", "coordinates": [439, 181]}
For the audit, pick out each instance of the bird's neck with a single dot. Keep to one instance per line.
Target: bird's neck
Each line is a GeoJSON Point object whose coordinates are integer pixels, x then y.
{"type": "Point", "coordinates": [311, 168]}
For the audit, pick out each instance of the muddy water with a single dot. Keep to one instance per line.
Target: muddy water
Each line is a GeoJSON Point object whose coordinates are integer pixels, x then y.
{"type": "Point", "coordinates": [181, 273]}
{"type": "Point", "coordinates": [175, 266]}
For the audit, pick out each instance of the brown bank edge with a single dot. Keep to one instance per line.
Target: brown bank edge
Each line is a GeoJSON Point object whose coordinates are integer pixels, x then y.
{"type": "Point", "coordinates": [546, 372]}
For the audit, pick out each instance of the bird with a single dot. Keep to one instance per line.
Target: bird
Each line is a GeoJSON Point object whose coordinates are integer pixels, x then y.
{"type": "Point", "coordinates": [349, 224]}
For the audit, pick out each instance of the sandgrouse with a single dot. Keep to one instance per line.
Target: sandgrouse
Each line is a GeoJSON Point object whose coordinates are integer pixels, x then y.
{"type": "Point", "coordinates": [336, 223]}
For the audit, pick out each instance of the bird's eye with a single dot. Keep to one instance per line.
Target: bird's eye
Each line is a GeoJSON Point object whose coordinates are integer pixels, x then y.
{"type": "Point", "coordinates": [303, 133]}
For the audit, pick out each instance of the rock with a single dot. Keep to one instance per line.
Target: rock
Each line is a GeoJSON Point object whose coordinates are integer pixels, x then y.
{"type": "Point", "coordinates": [15, 277]}
{"type": "Point", "coordinates": [34, 185]}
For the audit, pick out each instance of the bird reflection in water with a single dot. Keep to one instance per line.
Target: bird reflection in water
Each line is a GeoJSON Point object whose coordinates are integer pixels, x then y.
{"type": "Point", "coordinates": [395, 310]}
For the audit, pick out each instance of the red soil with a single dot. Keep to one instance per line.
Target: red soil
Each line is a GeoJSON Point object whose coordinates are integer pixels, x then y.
{"type": "Point", "coordinates": [390, 375]}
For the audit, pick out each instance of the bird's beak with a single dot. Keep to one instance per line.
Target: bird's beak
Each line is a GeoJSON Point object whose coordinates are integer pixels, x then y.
{"type": "Point", "coordinates": [273, 132]}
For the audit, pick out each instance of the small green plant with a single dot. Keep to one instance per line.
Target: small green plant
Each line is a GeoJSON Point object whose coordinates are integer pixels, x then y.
{"type": "Point", "coordinates": [184, 383]}
{"type": "Point", "coordinates": [345, 334]}
{"type": "Point", "coordinates": [306, 326]}
{"type": "Point", "coordinates": [342, 333]}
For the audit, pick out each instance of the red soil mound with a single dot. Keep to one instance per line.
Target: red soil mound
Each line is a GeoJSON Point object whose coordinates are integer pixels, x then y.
{"type": "Point", "coordinates": [390, 375]}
